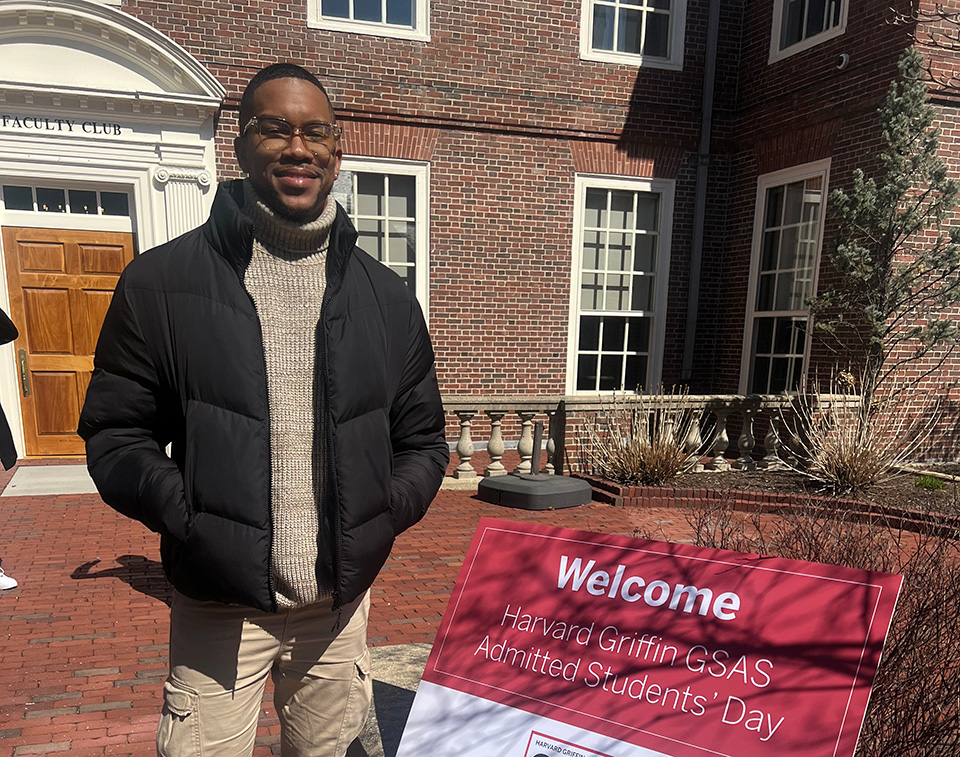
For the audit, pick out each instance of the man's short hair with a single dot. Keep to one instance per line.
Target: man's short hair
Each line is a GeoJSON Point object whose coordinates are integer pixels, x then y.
{"type": "Point", "coordinates": [271, 72]}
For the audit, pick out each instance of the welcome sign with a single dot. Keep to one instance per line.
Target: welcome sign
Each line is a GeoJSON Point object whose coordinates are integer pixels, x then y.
{"type": "Point", "coordinates": [562, 643]}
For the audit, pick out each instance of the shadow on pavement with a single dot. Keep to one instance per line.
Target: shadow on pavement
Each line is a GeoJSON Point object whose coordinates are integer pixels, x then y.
{"type": "Point", "coordinates": [142, 575]}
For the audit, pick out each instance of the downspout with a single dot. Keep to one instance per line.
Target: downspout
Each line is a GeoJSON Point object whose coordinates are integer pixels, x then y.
{"type": "Point", "coordinates": [700, 198]}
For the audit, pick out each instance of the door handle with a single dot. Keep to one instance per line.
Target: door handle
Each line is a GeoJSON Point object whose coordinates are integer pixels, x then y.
{"type": "Point", "coordinates": [24, 373]}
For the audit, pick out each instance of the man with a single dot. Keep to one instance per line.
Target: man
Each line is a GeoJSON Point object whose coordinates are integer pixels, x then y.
{"type": "Point", "coordinates": [293, 376]}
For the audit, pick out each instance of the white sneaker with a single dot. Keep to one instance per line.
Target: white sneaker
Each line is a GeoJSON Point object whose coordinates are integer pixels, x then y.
{"type": "Point", "coordinates": [7, 582]}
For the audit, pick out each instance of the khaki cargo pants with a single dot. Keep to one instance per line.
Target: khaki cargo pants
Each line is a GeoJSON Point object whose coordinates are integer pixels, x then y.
{"type": "Point", "coordinates": [220, 656]}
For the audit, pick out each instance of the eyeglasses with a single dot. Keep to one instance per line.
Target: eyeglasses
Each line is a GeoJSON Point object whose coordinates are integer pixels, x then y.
{"type": "Point", "coordinates": [276, 133]}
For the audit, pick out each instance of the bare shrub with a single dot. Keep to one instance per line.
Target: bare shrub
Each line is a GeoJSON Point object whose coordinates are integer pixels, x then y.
{"type": "Point", "coordinates": [647, 439]}
{"type": "Point", "coordinates": [849, 443]}
{"type": "Point", "coordinates": [915, 706]}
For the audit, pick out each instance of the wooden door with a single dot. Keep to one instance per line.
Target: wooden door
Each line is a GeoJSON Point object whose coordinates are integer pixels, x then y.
{"type": "Point", "coordinates": [61, 282]}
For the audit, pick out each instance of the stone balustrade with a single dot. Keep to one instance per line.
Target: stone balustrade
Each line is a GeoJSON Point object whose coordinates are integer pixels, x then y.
{"type": "Point", "coordinates": [720, 416]}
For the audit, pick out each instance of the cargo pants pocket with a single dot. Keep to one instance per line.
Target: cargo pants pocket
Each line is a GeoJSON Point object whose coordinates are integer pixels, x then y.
{"type": "Point", "coordinates": [359, 698]}
{"type": "Point", "coordinates": [178, 733]}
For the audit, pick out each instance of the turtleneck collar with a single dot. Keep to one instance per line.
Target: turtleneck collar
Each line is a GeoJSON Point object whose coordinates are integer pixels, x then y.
{"type": "Point", "coordinates": [276, 232]}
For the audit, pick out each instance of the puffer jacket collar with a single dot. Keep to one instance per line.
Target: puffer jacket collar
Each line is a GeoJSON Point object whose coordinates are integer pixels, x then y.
{"type": "Point", "coordinates": [230, 232]}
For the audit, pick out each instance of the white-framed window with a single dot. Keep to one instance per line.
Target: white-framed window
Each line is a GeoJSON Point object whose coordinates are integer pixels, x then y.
{"type": "Point", "coordinates": [800, 24]}
{"type": "Point", "coordinates": [65, 205]}
{"type": "Point", "coordinates": [635, 32]}
{"type": "Point", "coordinates": [788, 229]}
{"type": "Point", "coordinates": [405, 19]}
{"type": "Point", "coordinates": [621, 255]}
{"type": "Point", "coordinates": [388, 202]}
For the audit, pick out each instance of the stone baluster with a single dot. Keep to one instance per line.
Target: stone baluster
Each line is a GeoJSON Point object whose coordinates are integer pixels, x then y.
{"type": "Point", "coordinates": [692, 444]}
{"type": "Point", "coordinates": [746, 441]}
{"type": "Point", "coordinates": [772, 443]}
{"type": "Point", "coordinates": [495, 445]}
{"type": "Point", "coordinates": [791, 447]}
{"type": "Point", "coordinates": [721, 440]}
{"type": "Point", "coordinates": [551, 444]}
{"type": "Point", "coordinates": [465, 446]}
{"type": "Point", "coordinates": [525, 445]}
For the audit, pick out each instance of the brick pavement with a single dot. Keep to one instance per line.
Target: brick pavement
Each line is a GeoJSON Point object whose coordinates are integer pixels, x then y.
{"type": "Point", "coordinates": [84, 637]}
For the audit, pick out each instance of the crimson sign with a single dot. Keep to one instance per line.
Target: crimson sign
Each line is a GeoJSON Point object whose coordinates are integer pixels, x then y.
{"type": "Point", "coordinates": [561, 643]}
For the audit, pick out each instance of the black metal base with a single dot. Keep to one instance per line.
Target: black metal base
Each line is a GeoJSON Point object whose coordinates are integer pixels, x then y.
{"type": "Point", "coordinates": [539, 491]}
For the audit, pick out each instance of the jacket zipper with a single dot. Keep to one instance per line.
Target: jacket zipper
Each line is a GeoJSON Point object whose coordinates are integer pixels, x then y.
{"type": "Point", "coordinates": [266, 404]}
{"type": "Point", "coordinates": [334, 492]}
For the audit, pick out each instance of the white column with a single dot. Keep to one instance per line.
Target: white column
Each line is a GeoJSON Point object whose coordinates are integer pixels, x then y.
{"type": "Point", "coordinates": [183, 190]}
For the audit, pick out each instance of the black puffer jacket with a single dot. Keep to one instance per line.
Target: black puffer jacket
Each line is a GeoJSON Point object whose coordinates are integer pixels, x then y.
{"type": "Point", "coordinates": [180, 360]}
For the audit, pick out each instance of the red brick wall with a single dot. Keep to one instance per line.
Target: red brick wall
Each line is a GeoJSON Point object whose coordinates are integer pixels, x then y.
{"type": "Point", "coordinates": [506, 113]}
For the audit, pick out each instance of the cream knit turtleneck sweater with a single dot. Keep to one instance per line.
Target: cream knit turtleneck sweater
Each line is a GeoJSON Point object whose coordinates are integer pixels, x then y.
{"type": "Point", "coordinates": [286, 279]}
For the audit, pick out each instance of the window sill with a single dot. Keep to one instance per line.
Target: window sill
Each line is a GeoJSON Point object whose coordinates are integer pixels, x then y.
{"type": "Point", "coordinates": [368, 28]}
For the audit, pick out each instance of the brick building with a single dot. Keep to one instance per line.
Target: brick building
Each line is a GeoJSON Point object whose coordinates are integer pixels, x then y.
{"type": "Point", "coordinates": [586, 195]}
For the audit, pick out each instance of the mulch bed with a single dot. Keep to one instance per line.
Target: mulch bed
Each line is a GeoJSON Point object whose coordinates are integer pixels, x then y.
{"type": "Point", "coordinates": [900, 492]}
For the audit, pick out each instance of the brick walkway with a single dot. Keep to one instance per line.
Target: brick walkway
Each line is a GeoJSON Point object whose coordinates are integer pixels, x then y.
{"type": "Point", "coordinates": [84, 637]}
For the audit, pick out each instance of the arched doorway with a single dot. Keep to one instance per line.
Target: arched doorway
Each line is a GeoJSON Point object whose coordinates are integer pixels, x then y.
{"type": "Point", "coordinates": [106, 148]}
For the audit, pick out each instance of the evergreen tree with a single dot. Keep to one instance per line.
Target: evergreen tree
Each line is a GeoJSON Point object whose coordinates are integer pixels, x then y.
{"type": "Point", "coordinates": [897, 258]}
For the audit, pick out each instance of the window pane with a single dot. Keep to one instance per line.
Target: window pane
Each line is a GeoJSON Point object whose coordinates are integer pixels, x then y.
{"type": "Point", "coordinates": [18, 198]}
{"type": "Point", "coordinates": [774, 207]}
{"type": "Point", "coordinates": [793, 206]}
{"type": "Point", "coordinates": [784, 336]}
{"type": "Point", "coordinates": [638, 334]}
{"type": "Point", "coordinates": [621, 210]}
{"type": "Point", "coordinates": [407, 274]}
{"type": "Point", "coordinates": [642, 293]}
{"type": "Point", "coordinates": [656, 40]}
{"type": "Point", "coordinates": [629, 31]}
{"type": "Point", "coordinates": [771, 250]}
{"type": "Point", "coordinates": [648, 211]}
{"type": "Point", "coordinates": [335, 8]}
{"type": "Point", "coordinates": [587, 373]}
{"type": "Point", "coordinates": [400, 12]}
{"type": "Point", "coordinates": [613, 333]}
{"type": "Point", "coordinates": [611, 367]}
{"type": "Point", "coordinates": [635, 378]}
{"type": "Point", "coordinates": [595, 215]}
{"type": "Point", "coordinates": [402, 244]}
{"type": "Point", "coordinates": [370, 237]}
{"type": "Point", "coordinates": [784, 300]}
{"type": "Point", "coordinates": [593, 242]}
{"type": "Point", "coordinates": [779, 371]}
{"type": "Point", "coordinates": [590, 332]}
{"type": "Point", "coordinates": [83, 201]}
{"type": "Point", "coordinates": [618, 252]}
{"type": "Point", "coordinates": [761, 371]}
{"type": "Point", "coordinates": [645, 253]}
{"type": "Point", "coordinates": [764, 335]}
{"type": "Point", "coordinates": [403, 197]}
{"type": "Point", "coordinates": [765, 292]}
{"type": "Point", "coordinates": [367, 10]}
{"type": "Point", "coordinates": [791, 23]}
{"type": "Point", "coordinates": [51, 200]}
{"type": "Point", "coordinates": [816, 18]}
{"type": "Point", "coordinates": [115, 203]}
{"type": "Point", "coordinates": [603, 27]}
{"type": "Point", "coordinates": [370, 190]}
{"type": "Point", "coordinates": [617, 293]}
{"type": "Point", "coordinates": [590, 291]}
